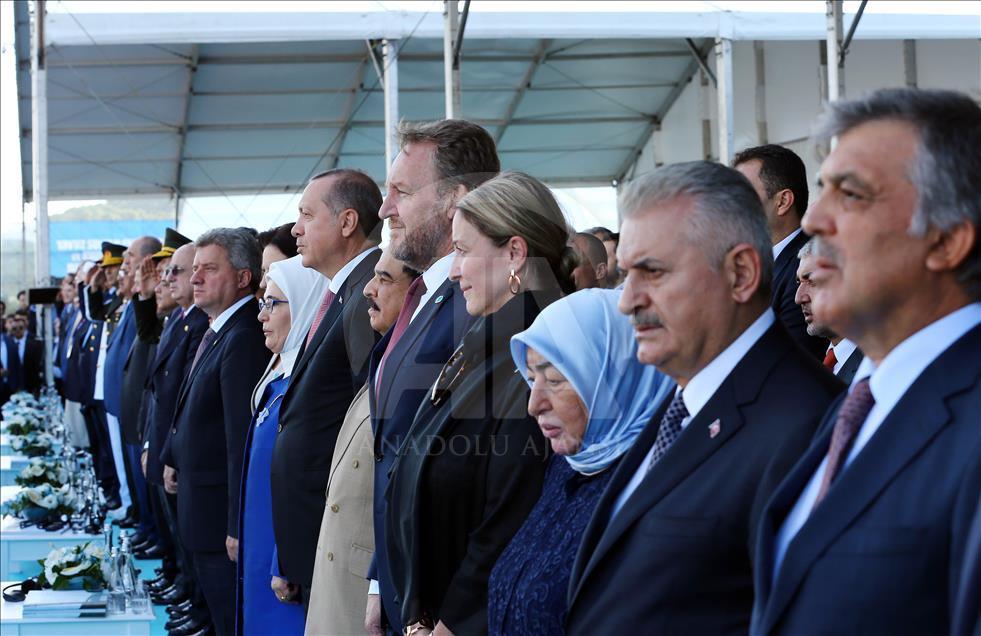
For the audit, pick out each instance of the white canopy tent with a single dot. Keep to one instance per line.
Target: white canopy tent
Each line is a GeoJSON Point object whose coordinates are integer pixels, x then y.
{"type": "Point", "coordinates": [216, 102]}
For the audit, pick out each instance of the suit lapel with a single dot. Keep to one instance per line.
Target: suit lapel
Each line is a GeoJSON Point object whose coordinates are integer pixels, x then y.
{"type": "Point", "coordinates": [694, 446]}
{"type": "Point", "coordinates": [249, 306]}
{"type": "Point", "coordinates": [788, 255]}
{"type": "Point", "coordinates": [915, 420]}
{"type": "Point", "coordinates": [441, 298]}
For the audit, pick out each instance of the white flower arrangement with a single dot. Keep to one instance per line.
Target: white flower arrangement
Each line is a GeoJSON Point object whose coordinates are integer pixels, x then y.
{"type": "Point", "coordinates": [80, 562]}
{"type": "Point", "coordinates": [21, 399]}
{"type": "Point", "coordinates": [33, 444]}
{"type": "Point", "coordinates": [42, 471]}
{"type": "Point", "coordinates": [22, 422]}
{"type": "Point", "coordinates": [40, 502]}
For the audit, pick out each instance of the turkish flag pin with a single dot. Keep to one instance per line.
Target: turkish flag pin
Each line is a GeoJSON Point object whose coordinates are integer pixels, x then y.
{"type": "Point", "coordinates": [715, 428]}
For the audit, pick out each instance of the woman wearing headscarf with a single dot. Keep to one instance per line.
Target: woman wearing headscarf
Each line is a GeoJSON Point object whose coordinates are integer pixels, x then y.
{"type": "Point", "coordinates": [591, 398]}
{"type": "Point", "coordinates": [472, 465]}
{"type": "Point", "coordinates": [292, 296]}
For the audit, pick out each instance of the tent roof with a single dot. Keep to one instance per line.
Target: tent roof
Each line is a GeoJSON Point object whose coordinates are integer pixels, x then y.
{"type": "Point", "coordinates": [208, 103]}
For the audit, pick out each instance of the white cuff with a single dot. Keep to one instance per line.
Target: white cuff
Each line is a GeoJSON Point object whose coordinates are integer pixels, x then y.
{"type": "Point", "coordinates": [372, 586]}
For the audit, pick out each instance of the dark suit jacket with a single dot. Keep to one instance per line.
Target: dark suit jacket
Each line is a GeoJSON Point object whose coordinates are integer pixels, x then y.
{"type": "Point", "coordinates": [71, 372]}
{"type": "Point", "coordinates": [327, 375]}
{"type": "Point", "coordinates": [783, 292]}
{"type": "Point", "coordinates": [847, 371]}
{"type": "Point", "coordinates": [88, 359]}
{"type": "Point", "coordinates": [882, 553]}
{"type": "Point", "coordinates": [33, 365]}
{"type": "Point", "coordinates": [967, 610]}
{"type": "Point", "coordinates": [676, 559]}
{"type": "Point", "coordinates": [409, 372]}
{"type": "Point", "coordinates": [208, 434]}
{"type": "Point", "coordinates": [178, 343]}
{"type": "Point", "coordinates": [13, 379]}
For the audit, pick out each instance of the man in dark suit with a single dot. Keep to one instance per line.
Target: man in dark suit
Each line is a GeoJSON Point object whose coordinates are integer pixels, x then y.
{"type": "Point", "coordinates": [667, 550]}
{"type": "Point", "coordinates": [780, 180]}
{"type": "Point", "coordinates": [180, 337]}
{"type": "Point", "coordinates": [11, 370]}
{"type": "Point", "coordinates": [843, 356]}
{"type": "Point", "coordinates": [203, 454]}
{"type": "Point", "coordinates": [438, 164]}
{"type": "Point", "coordinates": [337, 234]}
{"type": "Point", "coordinates": [867, 534]}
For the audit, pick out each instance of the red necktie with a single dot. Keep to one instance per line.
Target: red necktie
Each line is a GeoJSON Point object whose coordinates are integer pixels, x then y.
{"type": "Point", "coordinates": [830, 360]}
{"type": "Point", "coordinates": [412, 298]}
{"type": "Point", "coordinates": [852, 414]}
{"type": "Point", "coordinates": [328, 299]}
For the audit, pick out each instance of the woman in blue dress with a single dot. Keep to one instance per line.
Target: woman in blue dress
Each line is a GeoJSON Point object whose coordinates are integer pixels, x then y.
{"type": "Point", "coordinates": [291, 299]}
{"type": "Point", "coordinates": [591, 398]}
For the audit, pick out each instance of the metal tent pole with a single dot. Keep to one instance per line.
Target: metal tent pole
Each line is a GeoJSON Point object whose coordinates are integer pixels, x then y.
{"type": "Point", "coordinates": [39, 147]}
{"type": "Point", "coordinates": [723, 72]}
{"type": "Point", "coordinates": [390, 75]}
{"type": "Point", "coordinates": [451, 75]}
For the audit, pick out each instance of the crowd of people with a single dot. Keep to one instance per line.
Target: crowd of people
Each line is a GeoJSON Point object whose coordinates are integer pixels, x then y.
{"type": "Point", "coordinates": [750, 411]}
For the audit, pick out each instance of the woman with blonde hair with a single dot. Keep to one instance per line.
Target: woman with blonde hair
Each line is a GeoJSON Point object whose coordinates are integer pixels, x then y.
{"type": "Point", "coordinates": [472, 465]}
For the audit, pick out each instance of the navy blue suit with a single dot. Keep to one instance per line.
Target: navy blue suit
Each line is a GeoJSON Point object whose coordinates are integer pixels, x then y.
{"type": "Point", "coordinates": [206, 446]}
{"type": "Point", "coordinates": [175, 352]}
{"type": "Point", "coordinates": [409, 372]}
{"type": "Point", "coordinates": [882, 553]}
{"type": "Point", "coordinates": [676, 558]}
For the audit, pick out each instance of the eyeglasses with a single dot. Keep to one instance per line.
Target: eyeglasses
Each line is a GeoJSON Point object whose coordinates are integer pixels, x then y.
{"type": "Point", "coordinates": [270, 304]}
{"type": "Point", "coordinates": [448, 377]}
{"type": "Point", "coordinates": [173, 270]}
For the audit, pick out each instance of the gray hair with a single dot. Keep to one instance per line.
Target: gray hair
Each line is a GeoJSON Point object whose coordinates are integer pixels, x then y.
{"type": "Point", "coordinates": [242, 248]}
{"type": "Point", "coordinates": [726, 212]}
{"type": "Point", "coordinates": [806, 250]}
{"type": "Point", "coordinates": [947, 163]}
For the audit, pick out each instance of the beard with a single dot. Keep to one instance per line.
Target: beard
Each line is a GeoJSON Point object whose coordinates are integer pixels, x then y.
{"type": "Point", "coordinates": [421, 247]}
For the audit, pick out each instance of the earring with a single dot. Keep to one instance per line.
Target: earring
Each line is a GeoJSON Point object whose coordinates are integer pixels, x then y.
{"type": "Point", "coordinates": [514, 282]}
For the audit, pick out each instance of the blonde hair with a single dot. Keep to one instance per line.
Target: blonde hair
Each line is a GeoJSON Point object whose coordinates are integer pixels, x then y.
{"type": "Point", "coordinates": [516, 204]}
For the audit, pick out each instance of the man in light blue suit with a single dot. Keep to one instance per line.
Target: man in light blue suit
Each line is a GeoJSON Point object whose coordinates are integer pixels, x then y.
{"type": "Point", "coordinates": [867, 533]}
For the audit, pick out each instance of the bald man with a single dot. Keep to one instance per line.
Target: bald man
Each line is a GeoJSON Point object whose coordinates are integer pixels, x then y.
{"type": "Point", "coordinates": [592, 269]}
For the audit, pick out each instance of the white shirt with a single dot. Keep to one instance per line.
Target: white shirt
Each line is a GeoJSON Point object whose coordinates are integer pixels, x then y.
{"type": "Point", "coordinates": [782, 244]}
{"type": "Point", "coordinates": [21, 346]}
{"type": "Point", "coordinates": [432, 278]}
{"type": "Point", "coordinates": [702, 387]}
{"type": "Point", "coordinates": [341, 276]}
{"type": "Point", "coordinates": [888, 383]}
{"type": "Point", "coordinates": [100, 365]}
{"type": "Point", "coordinates": [3, 353]}
{"type": "Point", "coordinates": [224, 316]}
{"type": "Point", "coordinates": [843, 351]}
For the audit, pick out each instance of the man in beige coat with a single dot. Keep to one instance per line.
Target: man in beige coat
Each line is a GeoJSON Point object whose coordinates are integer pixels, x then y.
{"type": "Point", "coordinates": [347, 543]}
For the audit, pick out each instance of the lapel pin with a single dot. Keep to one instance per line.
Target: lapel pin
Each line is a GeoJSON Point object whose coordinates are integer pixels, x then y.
{"type": "Point", "coordinates": [185, 327]}
{"type": "Point", "coordinates": [715, 428]}
{"type": "Point", "coordinates": [438, 300]}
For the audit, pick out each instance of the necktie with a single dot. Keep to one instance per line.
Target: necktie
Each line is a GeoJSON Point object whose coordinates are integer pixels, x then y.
{"type": "Point", "coordinates": [209, 337]}
{"type": "Point", "coordinates": [829, 359]}
{"type": "Point", "coordinates": [328, 299]}
{"type": "Point", "coordinates": [670, 428]}
{"type": "Point", "coordinates": [851, 416]}
{"type": "Point", "coordinates": [412, 297]}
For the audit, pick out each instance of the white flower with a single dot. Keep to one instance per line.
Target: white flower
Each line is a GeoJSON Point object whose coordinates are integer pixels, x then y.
{"type": "Point", "coordinates": [93, 551]}
{"type": "Point", "coordinates": [50, 502]}
{"type": "Point", "coordinates": [73, 570]}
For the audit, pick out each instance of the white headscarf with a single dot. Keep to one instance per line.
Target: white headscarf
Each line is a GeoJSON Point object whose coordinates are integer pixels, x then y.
{"type": "Point", "coordinates": [304, 289]}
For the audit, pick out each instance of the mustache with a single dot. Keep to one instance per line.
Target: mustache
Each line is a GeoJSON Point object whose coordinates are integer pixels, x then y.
{"type": "Point", "coordinates": [822, 249]}
{"type": "Point", "coordinates": [645, 319]}
{"type": "Point", "coordinates": [373, 305]}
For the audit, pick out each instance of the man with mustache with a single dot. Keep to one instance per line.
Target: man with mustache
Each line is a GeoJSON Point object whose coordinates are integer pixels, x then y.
{"type": "Point", "coordinates": [843, 356]}
{"type": "Point", "coordinates": [667, 550]}
{"type": "Point", "coordinates": [867, 534]}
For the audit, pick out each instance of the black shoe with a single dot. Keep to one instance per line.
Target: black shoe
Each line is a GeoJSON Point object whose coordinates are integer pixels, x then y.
{"type": "Point", "coordinates": [137, 537]}
{"type": "Point", "coordinates": [173, 614]}
{"type": "Point", "coordinates": [153, 552]}
{"type": "Point", "coordinates": [184, 607]}
{"type": "Point", "coordinates": [142, 545]}
{"type": "Point", "coordinates": [162, 581]}
{"type": "Point", "coordinates": [192, 626]}
{"type": "Point", "coordinates": [178, 621]}
{"type": "Point", "coordinates": [209, 630]}
{"type": "Point", "coordinates": [129, 521]}
{"type": "Point", "coordinates": [170, 598]}
{"type": "Point", "coordinates": [158, 588]}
